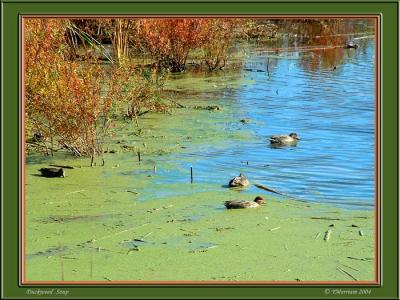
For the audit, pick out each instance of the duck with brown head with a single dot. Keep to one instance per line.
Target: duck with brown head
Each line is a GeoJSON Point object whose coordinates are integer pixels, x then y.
{"type": "Point", "coordinates": [290, 139]}
{"type": "Point", "coordinates": [236, 204]}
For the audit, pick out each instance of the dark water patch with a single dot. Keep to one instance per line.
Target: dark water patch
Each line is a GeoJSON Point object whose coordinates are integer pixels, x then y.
{"type": "Point", "coordinates": [72, 218]}
{"type": "Point", "coordinates": [201, 247]}
{"type": "Point", "coordinates": [52, 251]}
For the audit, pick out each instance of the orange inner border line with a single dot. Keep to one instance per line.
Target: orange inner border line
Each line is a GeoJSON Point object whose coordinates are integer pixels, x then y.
{"type": "Point", "coordinates": [377, 244]}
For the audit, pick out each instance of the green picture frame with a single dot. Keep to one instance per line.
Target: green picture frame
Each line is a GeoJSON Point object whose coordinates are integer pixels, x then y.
{"type": "Point", "coordinates": [13, 10]}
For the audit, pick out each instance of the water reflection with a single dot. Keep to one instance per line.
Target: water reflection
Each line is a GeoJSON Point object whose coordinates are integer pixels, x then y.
{"type": "Point", "coordinates": [319, 42]}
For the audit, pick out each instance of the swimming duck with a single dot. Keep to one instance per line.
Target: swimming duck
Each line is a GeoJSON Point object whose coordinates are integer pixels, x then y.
{"type": "Point", "coordinates": [350, 46]}
{"type": "Point", "coordinates": [52, 172]}
{"type": "Point", "coordinates": [240, 180]}
{"type": "Point", "coordinates": [235, 204]}
{"type": "Point", "coordinates": [290, 139]}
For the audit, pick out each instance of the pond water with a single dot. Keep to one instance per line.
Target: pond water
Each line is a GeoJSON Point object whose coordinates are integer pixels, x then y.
{"type": "Point", "coordinates": [144, 220]}
{"type": "Point", "coordinates": [325, 95]}
{"type": "Point", "coordinates": [331, 109]}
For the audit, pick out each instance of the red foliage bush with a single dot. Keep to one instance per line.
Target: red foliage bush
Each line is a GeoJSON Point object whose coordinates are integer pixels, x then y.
{"type": "Point", "coordinates": [62, 97]}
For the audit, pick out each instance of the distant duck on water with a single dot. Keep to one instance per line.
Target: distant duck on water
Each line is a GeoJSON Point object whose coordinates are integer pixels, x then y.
{"type": "Point", "coordinates": [290, 139]}
{"type": "Point", "coordinates": [52, 172]}
{"type": "Point", "coordinates": [236, 204]}
{"type": "Point", "coordinates": [350, 45]}
{"type": "Point", "coordinates": [239, 181]}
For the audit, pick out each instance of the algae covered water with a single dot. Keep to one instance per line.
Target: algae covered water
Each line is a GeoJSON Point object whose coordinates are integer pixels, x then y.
{"type": "Point", "coordinates": [145, 221]}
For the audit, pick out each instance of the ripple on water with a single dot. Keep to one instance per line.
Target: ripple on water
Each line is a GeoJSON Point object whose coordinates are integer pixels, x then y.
{"type": "Point", "coordinates": [333, 112]}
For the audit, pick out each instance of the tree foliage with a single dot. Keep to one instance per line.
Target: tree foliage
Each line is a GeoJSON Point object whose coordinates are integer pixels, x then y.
{"type": "Point", "coordinates": [71, 97]}
{"type": "Point", "coordinates": [63, 97]}
{"type": "Point", "coordinates": [216, 40]}
{"type": "Point", "coordinates": [170, 40]}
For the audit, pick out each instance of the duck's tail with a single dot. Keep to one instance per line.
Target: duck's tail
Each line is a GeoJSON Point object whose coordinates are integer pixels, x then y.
{"type": "Point", "coordinates": [273, 140]}
{"type": "Point", "coordinates": [228, 204]}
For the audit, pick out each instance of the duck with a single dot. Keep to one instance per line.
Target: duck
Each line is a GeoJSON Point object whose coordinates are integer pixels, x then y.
{"type": "Point", "coordinates": [38, 137]}
{"type": "Point", "coordinates": [290, 139]}
{"type": "Point", "coordinates": [240, 180]}
{"type": "Point", "coordinates": [236, 204]}
{"type": "Point", "coordinates": [52, 172]}
{"type": "Point", "coordinates": [350, 46]}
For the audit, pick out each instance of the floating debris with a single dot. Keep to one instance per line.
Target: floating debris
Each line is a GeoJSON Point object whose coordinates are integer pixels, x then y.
{"type": "Point", "coordinates": [276, 228]}
{"type": "Point", "coordinates": [347, 273]}
{"type": "Point", "coordinates": [327, 218]}
{"type": "Point", "coordinates": [133, 249]}
{"type": "Point", "coordinates": [208, 107]}
{"type": "Point", "coordinates": [350, 267]}
{"type": "Point", "coordinates": [327, 235]}
{"type": "Point", "coordinates": [223, 228]}
{"type": "Point", "coordinates": [263, 187]}
{"type": "Point", "coordinates": [139, 240]}
{"type": "Point", "coordinates": [363, 259]}
{"type": "Point", "coordinates": [133, 192]}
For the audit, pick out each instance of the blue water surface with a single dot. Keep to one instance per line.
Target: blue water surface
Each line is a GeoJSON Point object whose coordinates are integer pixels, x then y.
{"type": "Point", "coordinates": [331, 109]}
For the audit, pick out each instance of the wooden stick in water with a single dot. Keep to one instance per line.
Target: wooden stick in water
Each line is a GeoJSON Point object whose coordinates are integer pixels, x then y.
{"type": "Point", "coordinates": [347, 273]}
{"type": "Point", "coordinates": [350, 267]}
{"type": "Point", "coordinates": [326, 218]}
{"type": "Point", "coordinates": [276, 228]}
{"type": "Point", "coordinates": [263, 187]}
